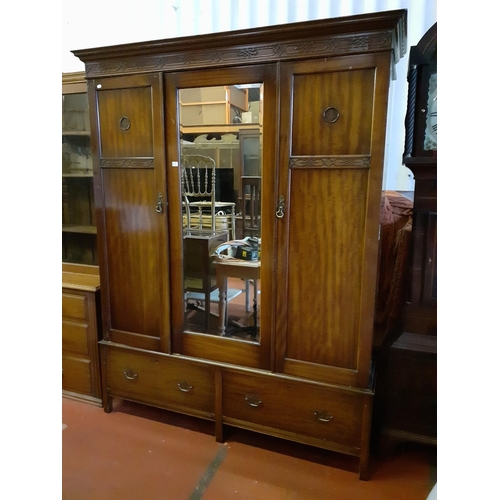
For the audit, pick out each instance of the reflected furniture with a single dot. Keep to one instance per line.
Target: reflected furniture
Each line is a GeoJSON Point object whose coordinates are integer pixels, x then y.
{"type": "Point", "coordinates": [250, 156]}
{"type": "Point", "coordinates": [250, 207]}
{"type": "Point", "coordinates": [246, 270]}
{"type": "Point", "coordinates": [199, 270]}
{"type": "Point", "coordinates": [309, 375]}
{"type": "Point", "coordinates": [80, 333]}
{"type": "Point", "coordinates": [198, 190]}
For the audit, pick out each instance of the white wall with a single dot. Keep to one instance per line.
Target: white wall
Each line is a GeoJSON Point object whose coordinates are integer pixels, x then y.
{"type": "Point", "coordinates": [98, 23]}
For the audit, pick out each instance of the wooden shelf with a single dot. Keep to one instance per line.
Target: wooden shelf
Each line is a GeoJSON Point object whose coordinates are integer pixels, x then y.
{"type": "Point", "coordinates": [79, 233]}
{"type": "Point", "coordinates": [85, 280]}
{"type": "Point", "coordinates": [82, 133]}
{"type": "Point", "coordinates": [90, 175]}
{"type": "Point", "coordinates": [224, 129]}
{"type": "Point", "coordinates": [72, 228]}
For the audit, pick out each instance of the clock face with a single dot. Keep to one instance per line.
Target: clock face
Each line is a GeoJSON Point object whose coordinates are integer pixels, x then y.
{"type": "Point", "coordinates": [430, 138]}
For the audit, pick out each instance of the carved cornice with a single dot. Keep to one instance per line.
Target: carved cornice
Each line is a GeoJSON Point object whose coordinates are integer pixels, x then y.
{"type": "Point", "coordinates": [245, 54]}
{"type": "Point", "coordinates": [127, 163]}
{"type": "Point", "coordinates": [329, 162]}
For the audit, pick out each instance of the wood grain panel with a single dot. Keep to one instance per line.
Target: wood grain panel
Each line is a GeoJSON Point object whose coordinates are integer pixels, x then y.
{"type": "Point", "coordinates": [74, 306]}
{"type": "Point", "coordinates": [296, 407]}
{"type": "Point", "coordinates": [161, 380]}
{"type": "Point", "coordinates": [114, 104]}
{"type": "Point", "coordinates": [351, 93]}
{"type": "Point", "coordinates": [221, 349]}
{"type": "Point", "coordinates": [325, 265]}
{"type": "Point", "coordinates": [132, 228]}
{"type": "Point", "coordinates": [75, 337]}
{"type": "Point", "coordinates": [76, 375]}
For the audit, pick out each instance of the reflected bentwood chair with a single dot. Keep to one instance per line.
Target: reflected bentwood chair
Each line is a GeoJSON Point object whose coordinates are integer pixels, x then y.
{"type": "Point", "coordinates": [202, 210]}
{"type": "Point", "coordinates": [206, 225]}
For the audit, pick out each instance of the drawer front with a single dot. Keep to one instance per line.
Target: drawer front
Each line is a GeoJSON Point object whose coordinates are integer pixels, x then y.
{"type": "Point", "coordinates": [74, 306]}
{"type": "Point", "coordinates": [76, 375]}
{"type": "Point", "coordinates": [318, 412]}
{"type": "Point", "coordinates": [75, 337]}
{"type": "Point", "coordinates": [159, 380]}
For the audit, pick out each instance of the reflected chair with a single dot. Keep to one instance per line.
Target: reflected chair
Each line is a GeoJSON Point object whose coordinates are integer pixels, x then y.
{"type": "Point", "coordinates": [200, 284]}
{"type": "Point", "coordinates": [202, 210]}
{"type": "Point", "coordinates": [250, 213]}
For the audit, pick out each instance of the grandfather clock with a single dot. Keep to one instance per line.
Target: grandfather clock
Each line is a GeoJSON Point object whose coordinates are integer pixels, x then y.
{"type": "Point", "coordinates": [420, 156]}
{"type": "Point", "coordinates": [410, 366]}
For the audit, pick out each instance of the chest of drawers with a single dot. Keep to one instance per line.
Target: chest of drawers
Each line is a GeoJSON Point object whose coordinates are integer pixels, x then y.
{"type": "Point", "coordinates": [80, 333]}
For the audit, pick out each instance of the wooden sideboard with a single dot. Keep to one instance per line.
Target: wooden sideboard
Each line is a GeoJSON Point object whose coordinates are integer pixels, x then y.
{"type": "Point", "coordinates": [80, 332]}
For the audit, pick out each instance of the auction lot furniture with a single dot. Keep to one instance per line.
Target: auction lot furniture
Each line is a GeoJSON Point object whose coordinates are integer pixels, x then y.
{"type": "Point", "coordinates": [323, 86]}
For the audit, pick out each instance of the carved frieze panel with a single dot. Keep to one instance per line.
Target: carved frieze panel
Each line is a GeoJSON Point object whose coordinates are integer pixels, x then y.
{"type": "Point", "coordinates": [329, 162]}
{"type": "Point", "coordinates": [127, 163]}
{"type": "Point", "coordinates": [257, 53]}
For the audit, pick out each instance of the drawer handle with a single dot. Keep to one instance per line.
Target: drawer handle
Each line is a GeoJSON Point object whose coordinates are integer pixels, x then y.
{"type": "Point", "coordinates": [253, 400]}
{"type": "Point", "coordinates": [184, 386]}
{"type": "Point", "coordinates": [323, 416]}
{"type": "Point", "coordinates": [130, 375]}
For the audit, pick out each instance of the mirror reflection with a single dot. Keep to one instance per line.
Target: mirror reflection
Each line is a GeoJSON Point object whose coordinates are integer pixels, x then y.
{"type": "Point", "coordinates": [221, 173]}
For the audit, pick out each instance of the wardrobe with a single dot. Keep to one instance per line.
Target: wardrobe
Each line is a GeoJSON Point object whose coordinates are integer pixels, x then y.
{"type": "Point", "coordinates": [321, 108]}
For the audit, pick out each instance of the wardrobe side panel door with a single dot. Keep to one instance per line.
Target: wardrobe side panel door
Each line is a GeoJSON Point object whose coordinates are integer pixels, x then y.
{"type": "Point", "coordinates": [330, 172]}
{"type": "Point", "coordinates": [131, 179]}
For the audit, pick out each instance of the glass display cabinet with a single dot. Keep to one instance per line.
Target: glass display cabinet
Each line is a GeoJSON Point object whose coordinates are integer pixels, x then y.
{"type": "Point", "coordinates": [79, 234]}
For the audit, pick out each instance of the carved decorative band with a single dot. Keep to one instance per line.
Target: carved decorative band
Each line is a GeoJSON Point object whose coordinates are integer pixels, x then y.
{"type": "Point", "coordinates": [127, 162]}
{"type": "Point", "coordinates": [280, 51]}
{"type": "Point", "coordinates": [329, 162]}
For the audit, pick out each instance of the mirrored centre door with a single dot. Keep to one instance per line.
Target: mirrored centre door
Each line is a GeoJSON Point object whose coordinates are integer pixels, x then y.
{"type": "Point", "coordinates": [221, 129]}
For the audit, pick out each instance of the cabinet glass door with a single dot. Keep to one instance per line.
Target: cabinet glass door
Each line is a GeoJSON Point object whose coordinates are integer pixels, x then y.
{"type": "Point", "coordinates": [220, 136]}
{"type": "Point", "coordinates": [78, 219]}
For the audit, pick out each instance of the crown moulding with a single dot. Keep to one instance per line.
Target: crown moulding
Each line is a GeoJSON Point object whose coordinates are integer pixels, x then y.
{"type": "Point", "coordinates": [382, 31]}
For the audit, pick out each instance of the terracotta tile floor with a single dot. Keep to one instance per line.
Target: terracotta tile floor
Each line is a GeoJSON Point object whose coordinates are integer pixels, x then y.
{"type": "Point", "coordinates": [142, 453]}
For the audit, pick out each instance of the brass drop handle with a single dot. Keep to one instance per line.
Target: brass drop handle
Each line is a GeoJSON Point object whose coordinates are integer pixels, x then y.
{"type": "Point", "coordinates": [280, 212]}
{"type": "Point", "coordinates": [184, 386]}
{"type": "Point", "coordinates": [130, 375]}
{"type": "Point", "coordinates": [323, 416]}
{"type": "Point", "coordinates": [253, 400]}
{"type": "Point", "coordinates": [159, 203]}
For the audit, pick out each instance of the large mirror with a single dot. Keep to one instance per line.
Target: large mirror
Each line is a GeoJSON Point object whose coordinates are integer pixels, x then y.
{"type": "Point", "coordinates": [221, 173]}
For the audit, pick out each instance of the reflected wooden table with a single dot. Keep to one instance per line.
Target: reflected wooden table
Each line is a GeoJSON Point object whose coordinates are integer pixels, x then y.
{"type": "Point", "coordinates": [244, 269]}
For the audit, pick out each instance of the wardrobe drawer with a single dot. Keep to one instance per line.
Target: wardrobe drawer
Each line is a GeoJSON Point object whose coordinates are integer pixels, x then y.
{"type": "Point", "coordinates": [75, 337]}
{"type": "Point", "coordinates": [76, 375]}
{"type": "Point", "coordinates": [74, 306]}
{"type": "Point", "coordinates": [160, 380]}
{"type": "Point", "coordinates": [310, 410]}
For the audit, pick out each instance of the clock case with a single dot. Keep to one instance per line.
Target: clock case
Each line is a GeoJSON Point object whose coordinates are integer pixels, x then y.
{"type": "Point", "coordinates": [407, 369]}
{"type": "Point", "coordinates": [422, 64]}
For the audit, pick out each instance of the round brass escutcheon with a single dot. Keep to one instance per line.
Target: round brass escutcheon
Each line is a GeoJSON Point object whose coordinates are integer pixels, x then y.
{"type": "Point", "coordinates": [124, 123]}
{"type": "Point", "coordinates": [331, 115]}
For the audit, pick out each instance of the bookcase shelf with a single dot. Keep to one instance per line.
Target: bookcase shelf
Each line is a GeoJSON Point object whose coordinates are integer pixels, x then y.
{"type": "Point", "coordinates": [79, 241]}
